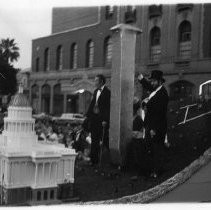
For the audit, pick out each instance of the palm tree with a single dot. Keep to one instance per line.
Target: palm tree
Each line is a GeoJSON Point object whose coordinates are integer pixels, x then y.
{"type": "Point", "coordinates": [9, 50]}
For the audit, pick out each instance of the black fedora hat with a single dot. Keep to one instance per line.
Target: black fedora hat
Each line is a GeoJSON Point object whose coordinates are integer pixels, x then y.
{"type": "Point", "coordinates": [157, 75]}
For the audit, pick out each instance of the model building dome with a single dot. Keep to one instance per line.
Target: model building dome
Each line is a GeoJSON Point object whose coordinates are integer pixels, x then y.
{"type": "Point", "coordinates": [19, 100]}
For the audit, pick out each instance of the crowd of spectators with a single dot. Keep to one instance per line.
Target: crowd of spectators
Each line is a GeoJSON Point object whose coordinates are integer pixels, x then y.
{"type": "Point", "coordinates": [70, 135]}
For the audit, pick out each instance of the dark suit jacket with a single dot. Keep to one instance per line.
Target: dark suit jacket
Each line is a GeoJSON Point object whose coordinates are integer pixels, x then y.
{"type": "Point", "coordinates": [103, 104]}
{"type": "Point", "coordinates": [156, 115]}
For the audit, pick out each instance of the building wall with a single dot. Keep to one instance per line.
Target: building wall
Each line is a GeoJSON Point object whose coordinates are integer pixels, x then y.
{"type": "Point", "coordinates": [68, 18]}
{"type": "Point", "coordinates": [68, 76]}
{"type": "Point", "coordinates": [207, 31]}
{"type": "Point", "coordinates": [169, 36]}
{"type": "Point", "coordinates": [97, 33]}
{"type": "Point", "coordinates": [196, 69]}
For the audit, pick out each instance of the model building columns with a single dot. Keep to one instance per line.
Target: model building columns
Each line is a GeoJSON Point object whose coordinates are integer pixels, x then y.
{"type": "Point", "coordinates": [122, 90]}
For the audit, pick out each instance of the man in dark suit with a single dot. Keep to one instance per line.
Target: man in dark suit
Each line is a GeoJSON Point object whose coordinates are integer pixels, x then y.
{"type": "Point", "coordinates": [98, 116]}
{"type": "Point", "coordinates": [155, 121]}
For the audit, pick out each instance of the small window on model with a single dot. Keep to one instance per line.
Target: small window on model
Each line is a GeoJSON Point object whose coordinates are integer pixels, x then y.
{"type": "Point", "coordinates": [52, 194]}
{"type": "Point", "coordinates": [38, 195]}
{"type": "Point", "coordinates": [45, 195]}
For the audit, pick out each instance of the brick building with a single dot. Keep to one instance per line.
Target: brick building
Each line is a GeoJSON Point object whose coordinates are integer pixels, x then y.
{"type": "Point", "coordinates": [176, 39]}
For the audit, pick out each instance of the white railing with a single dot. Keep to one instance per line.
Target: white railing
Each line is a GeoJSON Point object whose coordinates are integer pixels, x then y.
{"type": "Point", "coordinates": [193, 118]}
{"type": "Point", "coordinates": [186, 113]}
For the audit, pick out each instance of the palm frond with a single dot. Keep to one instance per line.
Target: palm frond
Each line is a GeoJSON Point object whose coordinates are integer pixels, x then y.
{"type": "Point", "coordinates": [9, 49]}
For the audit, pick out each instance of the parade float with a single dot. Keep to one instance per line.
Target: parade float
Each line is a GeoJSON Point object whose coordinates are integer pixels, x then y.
{"type": "Point", "coordinates": [32, 172]}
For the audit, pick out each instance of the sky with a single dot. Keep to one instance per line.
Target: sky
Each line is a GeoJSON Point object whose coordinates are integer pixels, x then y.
{"type": "Point", "coordinates": [25, 20]}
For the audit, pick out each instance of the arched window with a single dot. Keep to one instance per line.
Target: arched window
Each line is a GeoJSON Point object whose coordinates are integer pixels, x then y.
{"type": "Point", "coordinates": [181, 89]}
{"type": "Point", "coordinates": [59, 58]}
{"type": "Point", "coordinates": [155, 46]}
{"type": "Point", "coordinates": [35, 91]}
{"type": "Point", "coordinates": [185, 31]}
{"type": "Point", "coordinates": [38, 195]}
{"type": "Point", "coordinates": [52, 194]}
{"type": "Point", "coordinates": [58, 99]}
{"type": "Point", "coordinates": [90, 54]}
{"type": "Point", "coordinates": [35, 97]}
{"type": "Point", "coordinates": [205, 89]}
{"type": "Point", "coordinates": [45, 197]}
{"type": "Point", "coordinates": [46, 60]}
{"type": "Point", "coordinates": [107, 51]}
{"type": "Point", "coordinates": [74, 56]}
{"type": "Point", "coordinates": [45, 100]}
{"type": "Point", "coordinates": [37, 64]}
{"type": "Point", "coordinates": [185, 40]}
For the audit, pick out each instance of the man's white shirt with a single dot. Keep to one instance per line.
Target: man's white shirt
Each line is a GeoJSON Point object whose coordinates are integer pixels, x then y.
{"type": "Point", "coordinates": [146, 100]}
{"type": "Point", "coordinates": [154, 92]}
{"type": "Point", "coordinates": [98, 93]}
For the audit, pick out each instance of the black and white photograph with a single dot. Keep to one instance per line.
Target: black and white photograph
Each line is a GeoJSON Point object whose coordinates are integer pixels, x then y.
{"type": "Point", "coordinates": [104, 103]}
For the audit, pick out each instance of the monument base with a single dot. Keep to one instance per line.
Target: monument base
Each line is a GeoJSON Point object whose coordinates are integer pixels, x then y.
{"type": "Point", "coordinates": [26, 196]}
{"type": "Point", "coordinates": [17, 196]}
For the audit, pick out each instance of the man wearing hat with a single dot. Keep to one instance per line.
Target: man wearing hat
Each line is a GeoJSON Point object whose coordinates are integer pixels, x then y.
{"type": "Point", "coordinates": [155, 121]}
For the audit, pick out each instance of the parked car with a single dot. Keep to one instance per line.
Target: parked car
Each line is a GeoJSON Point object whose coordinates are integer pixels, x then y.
{"type": "Point", "coordinates": [70, 117]}
{"type": "Point", "coordinates": [42, 116]}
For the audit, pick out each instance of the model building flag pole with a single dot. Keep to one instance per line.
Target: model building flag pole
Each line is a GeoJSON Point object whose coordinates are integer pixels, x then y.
{"type": "Point", "coordinates": [20, 90]}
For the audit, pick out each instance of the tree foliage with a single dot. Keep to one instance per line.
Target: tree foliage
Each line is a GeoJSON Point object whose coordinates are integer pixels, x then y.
{"type": "Point", "coordinates": [8, 81]}
{"type": "Point", "coordinates": [8, 54]}
{"type": "Point", "coordinates": [9, 50]}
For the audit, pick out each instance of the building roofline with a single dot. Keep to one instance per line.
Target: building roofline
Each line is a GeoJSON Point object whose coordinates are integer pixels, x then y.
{"type": "Point", "coordinates": [74, 29]}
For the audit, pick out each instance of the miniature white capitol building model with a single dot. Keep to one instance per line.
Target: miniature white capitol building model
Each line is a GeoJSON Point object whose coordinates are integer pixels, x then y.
{"type": "Point", "coordinates": [32, 172]}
